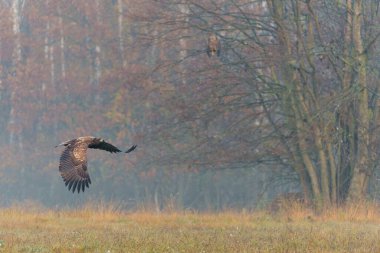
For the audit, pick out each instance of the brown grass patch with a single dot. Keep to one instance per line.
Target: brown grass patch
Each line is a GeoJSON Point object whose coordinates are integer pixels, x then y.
{"type": "Point", "coordinates": [106, 228]}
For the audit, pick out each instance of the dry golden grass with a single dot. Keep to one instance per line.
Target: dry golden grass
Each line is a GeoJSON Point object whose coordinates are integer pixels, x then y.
{"type": "Point", "coordinates": [105, 228]}
{"type": "Point", "coordinates": [359, 212]}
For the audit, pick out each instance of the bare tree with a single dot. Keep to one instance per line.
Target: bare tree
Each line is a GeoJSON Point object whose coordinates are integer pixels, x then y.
{"type": "Point", "coordinates": [287, 92]}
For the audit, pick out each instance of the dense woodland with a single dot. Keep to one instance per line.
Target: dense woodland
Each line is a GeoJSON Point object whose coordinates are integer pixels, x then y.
{"type": "Point", "coordinates": [290, 104]}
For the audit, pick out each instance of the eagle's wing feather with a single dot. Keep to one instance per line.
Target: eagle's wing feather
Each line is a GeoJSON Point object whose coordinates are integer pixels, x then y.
{"type": "Point", "coordinates": [105, 146]}
{"type": "Point", "coordinates": [73, 167]}
{"type": "Point", "coordinates": [131, 149]}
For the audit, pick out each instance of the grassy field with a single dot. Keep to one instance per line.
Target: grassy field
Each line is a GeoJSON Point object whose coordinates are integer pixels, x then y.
{"type": "Point", "coordinates": [352, 229]}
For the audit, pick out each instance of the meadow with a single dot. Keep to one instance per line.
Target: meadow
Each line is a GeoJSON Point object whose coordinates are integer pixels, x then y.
{"type": "Point", "coordinates": [107, 229]}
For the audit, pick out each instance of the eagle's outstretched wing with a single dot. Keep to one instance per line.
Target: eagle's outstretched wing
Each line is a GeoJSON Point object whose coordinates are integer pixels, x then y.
{"type": "Point", "coordinates": [73, 167]}
{"type": "Point", "coordinates": [105, 146]}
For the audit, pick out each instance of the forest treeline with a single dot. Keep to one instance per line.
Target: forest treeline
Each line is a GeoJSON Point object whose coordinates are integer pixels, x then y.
{"type": "Point", "coordinates": [290, 104]}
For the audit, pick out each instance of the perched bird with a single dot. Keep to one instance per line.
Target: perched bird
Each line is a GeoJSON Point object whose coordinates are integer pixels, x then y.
{"type": "Point", "coordinates": [73, 160]}
{"type": "Point", "coordinates": [213, 46]}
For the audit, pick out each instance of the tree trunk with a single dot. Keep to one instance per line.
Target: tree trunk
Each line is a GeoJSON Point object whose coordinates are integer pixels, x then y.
{"type": "Point", "coordinates": [184, 10]}
{"type": "Point", "coordinates": [359, 182]}
{"type": "Point", "coordinates": [16, 30]}
{"type": "Point", "coordinates": [62, 44]}
{"type": "Point", "coordinates": [121, 30]}
{"type": "Point", "coordinates": [14, 131]}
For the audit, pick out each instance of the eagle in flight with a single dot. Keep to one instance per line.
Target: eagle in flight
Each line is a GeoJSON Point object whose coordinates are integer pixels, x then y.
{"type": "Point", "coordinates": [73, 160]}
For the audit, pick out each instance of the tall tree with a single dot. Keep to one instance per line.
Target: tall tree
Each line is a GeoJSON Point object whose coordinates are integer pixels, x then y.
{"type": "Point", "coordinates": [285, 64]}
{"type": "Point", "coordinates": [361, 170]}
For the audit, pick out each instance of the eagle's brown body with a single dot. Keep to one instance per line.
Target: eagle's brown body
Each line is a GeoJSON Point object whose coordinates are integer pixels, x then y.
{"type": "Point", "coordinates": [73, 160]}
{"type": "Point", "coordinates": [213, 46]}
